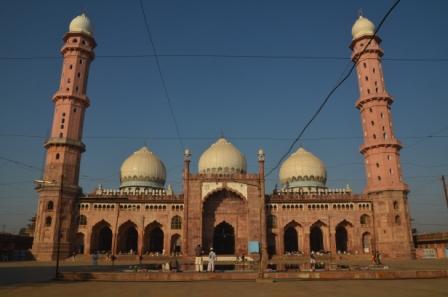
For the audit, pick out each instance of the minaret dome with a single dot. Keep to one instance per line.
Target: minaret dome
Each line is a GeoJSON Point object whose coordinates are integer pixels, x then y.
{"type": "Point", "coordinates": [81, 24]}
{"type": "Point", "coordinates": [362, 27]}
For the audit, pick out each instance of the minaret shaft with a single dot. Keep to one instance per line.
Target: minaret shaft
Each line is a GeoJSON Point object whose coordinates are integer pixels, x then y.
{"type": "Point", "coordinates": [59, 190]}
{"type": "Point", "coordinates": [380, 148]}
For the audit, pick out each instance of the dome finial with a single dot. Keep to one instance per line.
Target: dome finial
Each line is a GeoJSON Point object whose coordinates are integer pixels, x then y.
{"type": "Point", "coordinates": [360, 13]}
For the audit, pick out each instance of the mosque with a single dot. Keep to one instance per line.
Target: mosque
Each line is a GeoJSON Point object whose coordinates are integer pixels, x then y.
{"type": "Point", "coordinates": [222, 205]}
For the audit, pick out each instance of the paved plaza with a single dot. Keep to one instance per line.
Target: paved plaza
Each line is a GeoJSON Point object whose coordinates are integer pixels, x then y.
{"type": "Point", "coordinates": [409, 288]}
{"type": "Point", "coordinates": [35, 279]}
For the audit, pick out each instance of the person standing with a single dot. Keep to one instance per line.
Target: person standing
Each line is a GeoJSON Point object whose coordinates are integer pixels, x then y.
{"type": "Point", "coordinates": [198, 259]}
{"type": "Point", "coordinates": [211, 261]}
{"type": "Point", "coordinates": [95, 259]}
{"type": "Point", "coordinates": [312, 262]}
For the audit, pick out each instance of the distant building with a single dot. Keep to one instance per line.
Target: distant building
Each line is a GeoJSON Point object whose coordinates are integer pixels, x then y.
{"type": "Point", "coordinates": [222, 205]}
{"type": "Point", "coordinates": [15, 247]}
{"type": "Point", "coordinates": [431, 245]}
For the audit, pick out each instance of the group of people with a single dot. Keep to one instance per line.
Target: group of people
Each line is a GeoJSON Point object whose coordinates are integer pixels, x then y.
{"type": "Point", "coordinates": [198, 262]}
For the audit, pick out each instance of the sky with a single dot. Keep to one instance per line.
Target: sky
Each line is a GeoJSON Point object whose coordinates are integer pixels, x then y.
{"type": "Point", "coordinates": [255, 102]}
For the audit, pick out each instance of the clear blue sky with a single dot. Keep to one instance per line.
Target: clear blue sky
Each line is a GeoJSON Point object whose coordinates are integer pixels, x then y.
{"type": "Point", "coordinates": [246, 98]}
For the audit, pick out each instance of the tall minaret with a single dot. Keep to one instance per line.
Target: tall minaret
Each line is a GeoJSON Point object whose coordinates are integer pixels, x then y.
{"type": "Point", "coordinates": [60, 188]}
{"type": "Point", "coordinates": [381, 149]}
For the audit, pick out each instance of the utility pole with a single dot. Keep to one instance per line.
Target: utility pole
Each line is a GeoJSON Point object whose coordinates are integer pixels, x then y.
{"type": "Point", "coordinates": [444, 189]}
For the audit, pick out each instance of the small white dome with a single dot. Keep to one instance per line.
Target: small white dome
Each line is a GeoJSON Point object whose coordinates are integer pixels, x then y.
{"type": "Point", "coordinates": [81, 24]}
{"type": "Point", "coordinates": [362, 27]}
{"type": "Point", "coordinates": [303, 169]}
{"type": "Point", "coordinates": [222, 157]}
{"type": "Point", "coordinates": [142, 169]}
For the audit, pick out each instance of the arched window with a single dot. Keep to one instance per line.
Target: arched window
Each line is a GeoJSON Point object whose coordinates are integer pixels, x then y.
{"type": "Point", "coordinates": [50, 205]}
{"type": "Point", "coordinates": [365, 219]}
{"type": "Point", "coordinates": [82, 220]}
{"type": "Point", "coordinates": [48, 221]}
{"type": "Point", "coordinates": [272, 221]}
{"type": "Point", "coordinates": [397, 220]}
{"type": "Point", "coordinates": [176, 222]}
{"type": "Point", "coordinates": [395, 204]}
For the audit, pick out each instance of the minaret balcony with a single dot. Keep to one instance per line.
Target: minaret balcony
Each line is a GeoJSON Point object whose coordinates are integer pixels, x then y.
{"type": "Point", "coordinates": [393, 142]}
{"type": "Point", "coordinates": [65, 141]}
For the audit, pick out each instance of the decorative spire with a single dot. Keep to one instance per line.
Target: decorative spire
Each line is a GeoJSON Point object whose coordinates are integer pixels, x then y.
{"type": "Point", "coordinates": [360, 13]}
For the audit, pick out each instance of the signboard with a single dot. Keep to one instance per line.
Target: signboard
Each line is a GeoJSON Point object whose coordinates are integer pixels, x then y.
{"type": "Point", "coordinates": [254, 247]}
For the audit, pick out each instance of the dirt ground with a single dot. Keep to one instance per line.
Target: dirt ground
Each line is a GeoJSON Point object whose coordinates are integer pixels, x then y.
{"type": "Point", "coordinates": [408, 288]}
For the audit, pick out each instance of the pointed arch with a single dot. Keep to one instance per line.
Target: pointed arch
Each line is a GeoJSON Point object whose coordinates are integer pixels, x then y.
{"type": "Point", "coordinates": [176, 244]}
{"type": "Point", "coordinates": [317, 237]}
{"type": "Point", "coordinates": [366, 242]}
{"type": "Point", "coordinates": [224, 238]}
{"type": "Point", "coordinates": [225, 190]}
{"type": "Point", "coordinates": [153, 239]}
{"type": "Point", "coordinates": [79, 243]}
{"type": "Point", "coordinates": [342, 236]}
{"type": "Point", "coordinates": [127, 238]}
{"type": "Point", "coordinates": [176, 222]}
{"type": "Point", "coordinates": [291, 237]}
{"type": "Point", "coordinates": [101, 237]}
{"type": "Point", "coordinates": [364, 219]}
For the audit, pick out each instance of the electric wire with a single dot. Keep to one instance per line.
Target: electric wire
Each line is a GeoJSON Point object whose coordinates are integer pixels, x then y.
{"type": "Point", "coordinates": [228, 56]}
{"type": "Point", "coordinates": [162, 78]}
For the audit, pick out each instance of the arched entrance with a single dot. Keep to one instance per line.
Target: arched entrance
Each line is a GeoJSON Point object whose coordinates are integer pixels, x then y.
{"type": "Point", "coordinates": [229, 207]}
{"type": "Point", "coordinates": [224, 239]}
{"type": "Point", "coordinates": [341, 239]}
{"type": "Point", "coordinates": [101, 240]}
{"type": "Point", "coordinates": [291, 240]}
{"type": "Point", "coordinates": [79, 243]}
{"type": "Point", "coordinates": [127, 238]}
{"type": "Point", "coordinates": [366, 242]}
{"type": "Point", "coordinates": [175, 246]}
{"type": "Point", "coordinates": [316, 239]}
{"type": "Point", "coordinates": [272, 246]}
{"type": "Point", "coordinates": [153, 242]}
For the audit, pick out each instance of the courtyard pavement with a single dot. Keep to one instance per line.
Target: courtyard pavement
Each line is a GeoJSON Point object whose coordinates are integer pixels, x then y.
{"type": "Point", "coordinates": [30, 279]}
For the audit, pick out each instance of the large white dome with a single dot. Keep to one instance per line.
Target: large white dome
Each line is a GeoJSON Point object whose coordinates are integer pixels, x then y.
{"type": "Point", "coordinates": [81, 24]}
{"type": "Point", "coordinates": [222, 157]}
{"type": "Point", "coordinates": [303, 169]}
{"type": "Point", "coordinates": [142, 169]}
{"type": "Point", "coordinates": [362, 27]}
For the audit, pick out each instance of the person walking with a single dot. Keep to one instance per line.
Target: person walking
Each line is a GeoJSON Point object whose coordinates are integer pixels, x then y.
{"type": "Point", "coordinates": [199, 266]}
{"type": "Point", "coordinates": [211, 261]}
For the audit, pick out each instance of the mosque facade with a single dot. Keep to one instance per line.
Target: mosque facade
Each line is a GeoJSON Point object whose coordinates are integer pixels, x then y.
{"type": "Point", "coordinates": [222, 205]}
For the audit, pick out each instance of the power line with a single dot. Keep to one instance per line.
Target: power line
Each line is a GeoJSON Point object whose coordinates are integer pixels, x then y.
{"type": "Point", "coordinates": [227, 56]}
{"type": "Point", "coordinates": [338, 84]}
{"type": "Point", "coordinates": [214, 137]}
{"type": "Point", "coordinates": [431, 135]}
{"type": "Point", "coordinates": [159, 68]}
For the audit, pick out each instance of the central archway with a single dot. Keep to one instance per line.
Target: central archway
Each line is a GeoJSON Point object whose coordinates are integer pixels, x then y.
{"type": "Point", "coordinates": [229, 207]}
{"type": "Point", "coordinates": [224, 239]}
